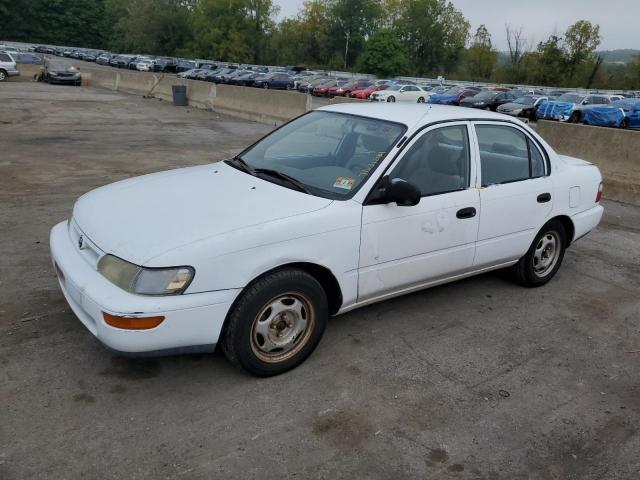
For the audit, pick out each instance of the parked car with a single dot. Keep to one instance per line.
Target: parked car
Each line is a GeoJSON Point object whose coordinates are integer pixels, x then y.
{"type": "Point", "coordinates": [247, 79]}
{"type": "Point", "coordinates": [307, 86]}
{"type": "Point", "coordinates": [321, 89]}
{"type": "Point", "coordinates": [104, 59]}
{"type": "Point", "coordinates": [145, 65]}
{"type": "Point", "coordinates": [488, 100]}
{"type": "Point", "coordinates": [61, 72]}
{"type": "Point", "coordinates": [8, 66]}
{"type": "Point", "coordinates": [590, 102]}
{"type": "Point", "coordinates": [401, 93]}
{"type": "Point", "coordinates": [349, 87]}
{"type": "Point", "coordinates": [165, 65]}
{"type": "Point", "coordinates": [191, 73]}
{"type": "Point", "coordinates": [308, 235]}
{"type": "Point", "coordinates": [184, 65]}
{"type": "Point", "coordinates": [365, 93]}
{"type": "Point", "coordinates": [275, 80]}
{"type": "Point", "coordinates": [569, 106]}
{"type": "Point", "coordinates": [523, 107]}
{"type": "Point", "coordinates": [453, 96]}
{"type": "Point", "coordinates": [619, 114]}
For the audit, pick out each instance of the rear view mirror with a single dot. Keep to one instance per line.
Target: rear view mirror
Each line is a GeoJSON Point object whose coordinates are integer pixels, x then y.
{"type": "Point", "coordinates": [400, 191]}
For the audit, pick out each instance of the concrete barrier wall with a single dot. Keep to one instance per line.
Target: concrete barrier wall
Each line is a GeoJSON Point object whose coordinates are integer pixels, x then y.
{"type": "Point", "coordinates": [272, 107]}
{"type": "Point", "coordinates": [616, 152]}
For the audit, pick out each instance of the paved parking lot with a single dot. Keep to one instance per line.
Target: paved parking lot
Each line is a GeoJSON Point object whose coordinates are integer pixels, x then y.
{"type": "Point", "coordinates": [480, 379]}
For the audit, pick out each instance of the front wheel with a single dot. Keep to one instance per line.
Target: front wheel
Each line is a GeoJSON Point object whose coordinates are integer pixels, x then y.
{"type": "Point", "coordinates": [276, 323]}
{"type": "Point", "coordinates": [543, 260]}
{"type": "Point", "coordinates": [391, 99]}
{"type": "Point", "coordinates": [575, 117]}
{"type": "Point", "coordinates": [421, 100]}
{"type": "Point", "coordinates": [625, 123]}
{"type": "Point", "coordinates": [265, 85]}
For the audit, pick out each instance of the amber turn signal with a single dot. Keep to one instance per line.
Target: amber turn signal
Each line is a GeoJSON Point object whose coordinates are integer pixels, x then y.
{"type": "Point", "coordinates": [132, 323]}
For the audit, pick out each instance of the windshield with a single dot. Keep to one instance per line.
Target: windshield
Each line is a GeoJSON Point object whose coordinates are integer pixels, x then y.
{"type": "Point", "coordinates": [626, 104]}
{"type": "Point", "coordinates": [526, 100]}
{"type": "Point", "coordinates": [331, 154]}
{"type": "Point", "coordinates": [453, 91]}
{"type": "Point", "coordinates": [485, 96]}
{"type": "Point", "coordinates": [570, 98]}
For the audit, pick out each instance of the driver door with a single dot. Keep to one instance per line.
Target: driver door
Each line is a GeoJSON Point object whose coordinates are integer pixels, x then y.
{"type": "Point", "coordinates": [403, 247]}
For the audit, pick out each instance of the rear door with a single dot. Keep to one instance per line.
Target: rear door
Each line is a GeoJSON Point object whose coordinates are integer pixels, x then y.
{"type": "Point", "coordinates": [515, 193]}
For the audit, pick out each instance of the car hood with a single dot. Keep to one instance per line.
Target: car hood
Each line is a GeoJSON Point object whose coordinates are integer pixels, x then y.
{"type": "Point", "coordinates": [508, 107]}
{"type": "Point", "coordinates": [143, 217]}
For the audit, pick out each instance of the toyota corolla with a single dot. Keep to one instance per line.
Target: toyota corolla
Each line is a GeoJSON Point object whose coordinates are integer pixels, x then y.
{"type": "Point", "coordinates": [344, 206]}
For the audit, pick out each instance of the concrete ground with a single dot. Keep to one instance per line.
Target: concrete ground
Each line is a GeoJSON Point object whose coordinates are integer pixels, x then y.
{"type": "Point", "coordinates": [479, 379]}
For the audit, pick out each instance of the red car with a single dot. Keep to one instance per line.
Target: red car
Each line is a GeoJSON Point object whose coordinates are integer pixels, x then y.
{"type": "Point", "coordinates": [322, 89]}
{"type": "Point", "coordinates": [333, 91]}
{"type": "Point", "coordinates": [365, 92]}
{"type": "Point", "coordinates": [345, 90]}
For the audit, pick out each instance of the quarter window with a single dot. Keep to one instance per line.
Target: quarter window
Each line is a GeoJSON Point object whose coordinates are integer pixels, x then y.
{"type": "Point", "coordinates": [438, 162]}
{"type": "Point", "coordinates": [507, 155]}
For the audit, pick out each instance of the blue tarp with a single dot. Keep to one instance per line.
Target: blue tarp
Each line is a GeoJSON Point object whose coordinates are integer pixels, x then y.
{"type": "Point", "coordinates": [555, 110]}
{"type": "Point", "coordinates": [603, 116]}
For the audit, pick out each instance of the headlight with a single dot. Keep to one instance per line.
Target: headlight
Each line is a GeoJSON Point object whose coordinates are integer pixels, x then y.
{"type": "Point", "coordinates": [145, 281]}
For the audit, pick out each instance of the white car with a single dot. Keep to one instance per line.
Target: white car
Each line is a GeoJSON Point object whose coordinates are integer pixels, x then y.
{"type": "Point", "coordinates": [401, 93]}
{"type": "Point", "coordinates": [345, 206]}
{"type": "Point", "coordinates": [145, 65]}
{"type": "Point", "coordinates": [8, 66]}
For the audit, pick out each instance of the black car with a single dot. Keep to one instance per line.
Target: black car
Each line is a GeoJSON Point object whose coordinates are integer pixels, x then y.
{"type": "Point", "coordinates": [165, 65]}
{"type": "Point", "coordinates": [61, 72]}
{"type": "Point", "coordinates": [184, 65]}
{"type": "Point", "coordinates": [221, 75]}
{"type": "Point", "coordinates": [488, 100]}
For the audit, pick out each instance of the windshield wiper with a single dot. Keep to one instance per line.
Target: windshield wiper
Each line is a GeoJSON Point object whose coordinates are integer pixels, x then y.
{"type": "Point", "coordinates": [297, 184]}
{"type": "Point", "coordinates": [238, 162]}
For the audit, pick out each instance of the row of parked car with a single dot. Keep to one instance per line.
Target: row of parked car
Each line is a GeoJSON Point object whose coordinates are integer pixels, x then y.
{"type": "Point", "coordinates": [622, 111]}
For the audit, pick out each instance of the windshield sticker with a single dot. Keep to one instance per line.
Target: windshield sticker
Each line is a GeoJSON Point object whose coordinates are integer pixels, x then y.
{"type": "Point", "coordinates": [365, 171]}
{"type": "Point", "coordinates": [344, 182]}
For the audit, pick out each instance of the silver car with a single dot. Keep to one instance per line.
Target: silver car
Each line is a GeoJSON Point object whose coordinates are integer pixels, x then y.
{"type": "Point", "coordinates": [591, 101]}
{"type": "Point", "coordinates": [8, 66]}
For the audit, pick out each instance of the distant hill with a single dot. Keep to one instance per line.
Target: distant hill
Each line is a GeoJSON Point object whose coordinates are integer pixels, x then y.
{"type": "Point", "coordinates": [618, 56]}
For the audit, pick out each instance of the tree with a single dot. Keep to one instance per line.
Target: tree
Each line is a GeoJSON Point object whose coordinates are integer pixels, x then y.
{"type": "Point", "coordinates": [581, 40]}
{"type": "Point", "coordinates": [481, 58]}
{"type": "Point", "coordinates": [434, 33]}
{"type": "Point", "coordinates": [384, 55]}
{"type": "Point", "coordinates": [518, 46]}
{"type": "Point", "coordinates": [352, 22]}
{"type": "Point", "coordinates": [547, 63]}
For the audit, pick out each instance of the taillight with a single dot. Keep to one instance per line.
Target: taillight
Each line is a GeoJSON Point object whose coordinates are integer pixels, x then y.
{"type": "Point", "coordinates": [599, 194]}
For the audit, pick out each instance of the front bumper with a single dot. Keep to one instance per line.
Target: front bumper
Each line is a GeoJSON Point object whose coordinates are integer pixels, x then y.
{"type": "Point", "coordinates": [192, 321]}
{"type": "Point", "coordinates": [65, 80]}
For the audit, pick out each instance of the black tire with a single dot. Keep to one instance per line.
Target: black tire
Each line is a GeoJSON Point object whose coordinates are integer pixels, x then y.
{"type": "Point", "coordinates": [240, 341]}
{"type": "Point", "coordinates": [391, 99]}
{"type": "Point", "coordinates": [3, 76]}
{"type": "Point", "coordinates": [525, 269]}
{"type": "Point", "coordinates": [575, 117]}
{"type": "Point", "coordinates": [265, 85]}
{"type": "Point", "coordinates": [420, 99]}
{"type": "Point", "coordinates": [625, 123]}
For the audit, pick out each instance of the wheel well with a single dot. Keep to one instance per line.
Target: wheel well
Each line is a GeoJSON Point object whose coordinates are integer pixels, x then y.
{"type": "Point", "coordinates": [325, 277]}
{"type": "Point", "coordinates": [567, 223]}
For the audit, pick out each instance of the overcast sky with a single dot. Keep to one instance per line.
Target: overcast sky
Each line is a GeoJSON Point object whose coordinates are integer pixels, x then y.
{"type": "Point", "coordinates": [619, 20]}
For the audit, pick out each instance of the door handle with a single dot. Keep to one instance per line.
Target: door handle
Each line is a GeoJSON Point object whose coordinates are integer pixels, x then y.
{"type": "Point", "coordinates": [544, 197]}
{"type": "Point", "coordinates": [468, 212]}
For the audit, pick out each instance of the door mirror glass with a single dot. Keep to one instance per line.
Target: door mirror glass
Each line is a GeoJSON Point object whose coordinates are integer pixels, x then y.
{"type": "Point", "coordinates": [400, 191]}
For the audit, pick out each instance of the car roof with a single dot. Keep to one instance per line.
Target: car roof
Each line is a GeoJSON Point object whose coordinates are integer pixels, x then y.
{"type": "Point", "coordinates": [411, 114]}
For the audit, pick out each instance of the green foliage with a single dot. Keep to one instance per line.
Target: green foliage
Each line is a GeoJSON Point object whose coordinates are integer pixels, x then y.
{"type": "Point", "coordinates": [384, 55]}
{"type": "Point", "coordinates": [434, 33]}
{"type": "Point", "coordinates": [479, 60]}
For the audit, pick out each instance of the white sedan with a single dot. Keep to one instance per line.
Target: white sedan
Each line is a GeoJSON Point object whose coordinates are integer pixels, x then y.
{"type": "Point", "coordinates": [345, 206]}
{"type": "Point", "coordinates": [401, 93]}
{"type": "Point", "coordinates": [145, 65]}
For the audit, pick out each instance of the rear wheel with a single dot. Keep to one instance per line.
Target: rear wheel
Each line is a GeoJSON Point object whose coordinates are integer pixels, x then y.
{"type": "Point", "coordinates": [276, 323]}
{"type": "Point", "coordinates": [575, 117]}
{"type": "Point", "coordinates": [3, 75]}
{"type": "Point", "coordinates": [421, 100]}
{"type": "Point", "coordinates": [544, 257]}
{"type": "Point", "coordinates": [265, 85]}
{"type": "Point", "coordinates": [625, 123]}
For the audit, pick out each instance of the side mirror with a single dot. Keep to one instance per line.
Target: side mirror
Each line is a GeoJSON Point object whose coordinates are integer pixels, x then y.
{"type": "Point", "coordinates": [399, 191]}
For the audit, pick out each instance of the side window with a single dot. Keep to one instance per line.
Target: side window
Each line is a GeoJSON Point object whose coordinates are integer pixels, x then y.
{"type": "Point", "coordinates": [438, 162]}
{"type": "Point", "coordinates": [504, 154]}
{"type": "Point", "coordinates": [4, 57]}
{"type": "Point", "coordinates": [507, 155]}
